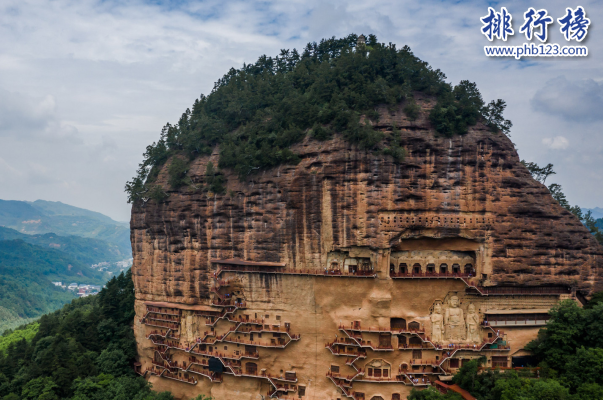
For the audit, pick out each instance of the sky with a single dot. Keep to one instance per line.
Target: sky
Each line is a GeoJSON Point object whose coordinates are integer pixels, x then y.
{"type": "Point", "coordinates": [86, 85]}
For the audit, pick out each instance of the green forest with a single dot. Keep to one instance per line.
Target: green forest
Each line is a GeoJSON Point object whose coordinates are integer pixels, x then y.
{"type": "Point", "coordinates": [26, 275]}
{"type": "Point", "coordinates": [85, 351]}
{"type": "Point", "coordinates": [256, 113]}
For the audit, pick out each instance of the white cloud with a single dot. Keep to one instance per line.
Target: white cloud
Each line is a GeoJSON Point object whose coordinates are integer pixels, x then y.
{"type": "Point", "coordinates": [556, 143]}
{"type": "Point", "coordinates": [575, 100]}
{"type": "Point", "coordinates": [29, 118]}
{"type": "Point", "coordinates": [87, 85]}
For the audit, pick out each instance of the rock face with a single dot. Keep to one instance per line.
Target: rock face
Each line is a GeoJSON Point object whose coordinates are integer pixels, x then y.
{"type": "Point", "coordinates": [459, 217]}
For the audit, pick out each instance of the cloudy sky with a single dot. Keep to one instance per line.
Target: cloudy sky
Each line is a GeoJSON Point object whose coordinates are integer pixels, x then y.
{"type": "Point", "coordinates": [86, 85]}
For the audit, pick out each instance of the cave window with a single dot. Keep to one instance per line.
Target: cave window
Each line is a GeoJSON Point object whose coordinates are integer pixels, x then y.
{"type": "Point", "coordinates": [365, 265]}
{"type": "Point", "coordinates": [397, 324]}
{"type": "Point", "coordinates": [415, 342]}
{"type": "Point", "coordinates": [403, 268]}
{"type": "Point", "coordinates": [469, 269]}
{"type": "Point", "coordinates": [385, 340]}
{"type": "Point", "coordinates": [301, 391]}
{"type": "Point", "coordinates": [454, 363]}
{"type": "Point", "coordinates": [335, 369]}
{"type": "Point", "coordinates": [251, 368]}
{"type": "Point", "coordinates": [443, 268]}
{"type": "Point", "coordinates": [395, 396]}
{"type": "Point", "coordinates": [377, 373]}
{"type": "Point", "coordinates": [278, 317]}
{"type": "Point", "coordinates": [499, 361]}
{"type": "Point", "coordinates": [456, 268]}
{"type": "Point", "coordinates": [430, 268]}
{"type": "Point", "coordinates": [401, 341]}
{"type": "Point", "coordinates": [416, 269]}
{"type": "Point", "coordinates": [414, 326]}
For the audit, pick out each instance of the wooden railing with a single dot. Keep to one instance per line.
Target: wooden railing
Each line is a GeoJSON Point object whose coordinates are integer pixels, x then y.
{"type": "Point", "coordinates": [313, 272]}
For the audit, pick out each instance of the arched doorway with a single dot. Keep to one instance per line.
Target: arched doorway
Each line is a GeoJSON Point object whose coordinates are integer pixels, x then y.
{"type": "Point", "coordinates": [416, 268]}
{"type": "Point", "coordinates": [456, 269]}
{"type": "Point", "coordinates": [430, 268]}
{"type": "Point", "coordinates": [403, 268]}
{"type": "Point", "coordinates": [443, 268]}
{"type": "Point", "coordinates": [469, 269]}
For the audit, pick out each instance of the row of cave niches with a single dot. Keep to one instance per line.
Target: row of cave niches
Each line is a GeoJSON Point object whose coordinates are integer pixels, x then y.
{"type": "Point", "coordinates": [404, 270]}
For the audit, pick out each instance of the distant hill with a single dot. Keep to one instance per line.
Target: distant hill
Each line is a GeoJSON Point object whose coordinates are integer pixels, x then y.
{"type": "Point", "coordinates": [597, 212]}
{"type": "Point", "coordinates": [42, 216]}
{"type": "Point", "coordinates": [26, 275]}
{"type": "Point", "coordinates": [44, 241]}
{"type": "Point", "coordinates": [86, 250]}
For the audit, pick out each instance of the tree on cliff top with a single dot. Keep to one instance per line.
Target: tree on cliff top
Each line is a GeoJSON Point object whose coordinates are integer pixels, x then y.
{"type": "Point", "coordinates": [256, 113]}
{"type": "Point", "coordinates": [540, 174]}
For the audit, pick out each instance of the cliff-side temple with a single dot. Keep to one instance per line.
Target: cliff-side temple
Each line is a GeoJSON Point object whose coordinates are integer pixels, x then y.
{"type": "Point", "coordinates": [350, 276]}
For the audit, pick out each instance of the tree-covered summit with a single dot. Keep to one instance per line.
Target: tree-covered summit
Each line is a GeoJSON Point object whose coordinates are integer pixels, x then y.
{"type": "Point", "coordinates": [256, 113]}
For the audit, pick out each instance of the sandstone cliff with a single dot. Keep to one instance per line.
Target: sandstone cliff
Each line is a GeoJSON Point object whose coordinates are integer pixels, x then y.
{"type": "Point", "coordinates": [469, 187]}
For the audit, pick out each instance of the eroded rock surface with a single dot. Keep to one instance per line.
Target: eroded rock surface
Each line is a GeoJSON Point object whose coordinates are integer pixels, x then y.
{"type": "Point", "coordinates": [464, 202]}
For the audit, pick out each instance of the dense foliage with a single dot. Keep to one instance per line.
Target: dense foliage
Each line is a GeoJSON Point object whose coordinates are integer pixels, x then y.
{"type": "Point", "coordinates": [17, 256]}
{"type": "Point", "coordinates": [26, 275]}
{"type": "Point", "coordinates": [25, 295]}
{"type": "Point", "coordinates": [256, 113]}
{"type": "Point", "coordinates": [568, 353]}
{"type": "Point", "coordinates": [26, 332]}
{"type": "Point", "coordinates": [84, 351]}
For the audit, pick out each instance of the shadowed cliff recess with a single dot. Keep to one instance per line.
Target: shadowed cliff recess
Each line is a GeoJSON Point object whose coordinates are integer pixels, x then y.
{"type": "Point", "coordinates": [343, 223]}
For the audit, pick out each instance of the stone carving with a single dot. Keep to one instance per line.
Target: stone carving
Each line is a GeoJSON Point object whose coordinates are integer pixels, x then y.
{"type": "Point", "coordinates": [437, 324]}
{"type": "Point", "coordinates": [473, 330]}
{"type": "Point", "coordinates": [454, 323]}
